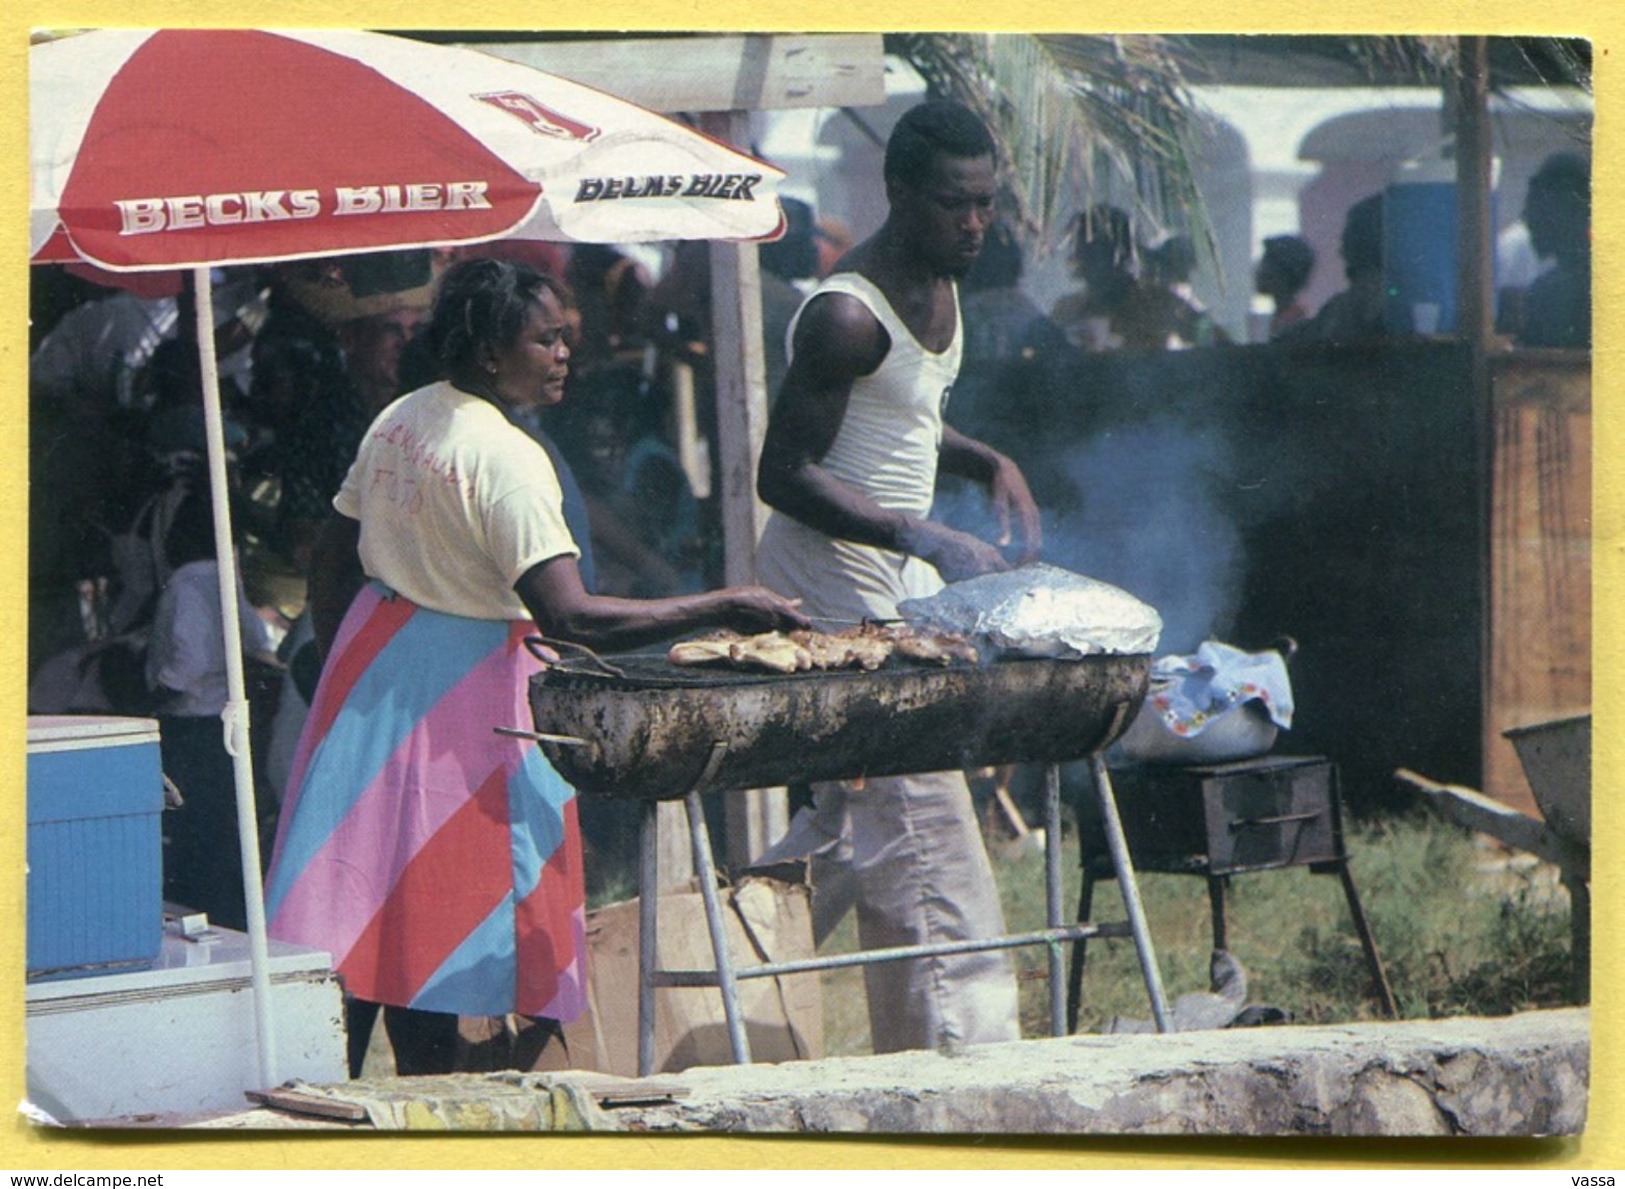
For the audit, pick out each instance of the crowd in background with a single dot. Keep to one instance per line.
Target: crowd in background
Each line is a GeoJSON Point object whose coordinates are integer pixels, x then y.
{"type": "Point", "coordinates": [123, 616]}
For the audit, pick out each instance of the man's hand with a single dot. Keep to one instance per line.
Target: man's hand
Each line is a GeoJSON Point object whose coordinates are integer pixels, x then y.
{"type": "Point", "coordinates": [1011, 499]}
{"type": "Point", "coordinates": [956, 555]}
{"type": "Point", "coordinates": [1013, 503]}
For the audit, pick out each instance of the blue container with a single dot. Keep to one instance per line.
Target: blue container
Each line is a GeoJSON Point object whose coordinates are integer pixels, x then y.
{"type": "Point", "coordinates": [95, 849]}
{"type": "Point", "coordinates": [1419, 254]}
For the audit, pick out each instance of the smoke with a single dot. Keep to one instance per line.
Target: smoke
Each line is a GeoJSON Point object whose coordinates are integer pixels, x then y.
{"type": "Point", "coordinates": [1151, 518]}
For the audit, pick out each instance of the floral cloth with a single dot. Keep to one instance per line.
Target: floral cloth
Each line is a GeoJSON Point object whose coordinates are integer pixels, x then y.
{"type": "Point", "coordinates": [1189, 692]}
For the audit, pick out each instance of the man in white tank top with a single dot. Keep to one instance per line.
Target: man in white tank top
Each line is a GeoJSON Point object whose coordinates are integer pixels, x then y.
{"type": "Point", "coordinates": [849, 465]}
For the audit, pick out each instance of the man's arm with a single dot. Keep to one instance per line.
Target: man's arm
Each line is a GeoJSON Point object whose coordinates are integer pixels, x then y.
{"type": "Point", "coordinates": [837, 341]}
{"type": "Point", "coordinates": [1013, 502]}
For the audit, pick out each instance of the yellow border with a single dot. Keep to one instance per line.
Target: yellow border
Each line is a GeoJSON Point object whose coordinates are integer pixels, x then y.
{"type": "Point", "coordinates": [28, 1149]}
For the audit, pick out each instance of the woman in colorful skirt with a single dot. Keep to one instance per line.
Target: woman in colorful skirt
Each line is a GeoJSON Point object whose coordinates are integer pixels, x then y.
{"type": "Point", "coordinates": [438, 862]}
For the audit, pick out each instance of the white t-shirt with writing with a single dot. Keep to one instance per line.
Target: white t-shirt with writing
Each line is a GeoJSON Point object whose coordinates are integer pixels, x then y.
{"type": "Point", "coordinates": [455, 503]}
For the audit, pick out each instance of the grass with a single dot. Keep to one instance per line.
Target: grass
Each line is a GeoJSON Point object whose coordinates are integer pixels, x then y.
{"type": "Point", "coordinates": [1462, 930]}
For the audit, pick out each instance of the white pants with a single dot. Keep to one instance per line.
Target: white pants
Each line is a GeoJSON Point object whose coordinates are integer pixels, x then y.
{"type": "Point", "coordinates": [907, 854]}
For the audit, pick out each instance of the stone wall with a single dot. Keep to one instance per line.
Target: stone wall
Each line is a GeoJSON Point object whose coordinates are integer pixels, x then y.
{"type": "Point", "coordinates": [1518, 1076]}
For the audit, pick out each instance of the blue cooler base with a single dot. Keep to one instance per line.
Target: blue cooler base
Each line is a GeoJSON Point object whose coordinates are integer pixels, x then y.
{"type": "Point", "coordinates": [95, 849]}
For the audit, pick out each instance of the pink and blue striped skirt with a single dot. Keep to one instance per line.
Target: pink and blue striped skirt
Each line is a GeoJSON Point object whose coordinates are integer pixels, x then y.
{"type": "Point", "coordinates": [438, 862]}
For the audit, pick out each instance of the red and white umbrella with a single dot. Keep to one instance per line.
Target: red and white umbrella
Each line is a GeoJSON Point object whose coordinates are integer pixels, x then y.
{"type": "Point", "coordinates": [185, 149]}
{"type": "Point", "coordinates": [179, 147]}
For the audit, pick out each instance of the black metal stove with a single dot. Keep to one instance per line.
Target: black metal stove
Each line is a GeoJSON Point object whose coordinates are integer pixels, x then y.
{"type": "Point", "coordinates": [1220, 820]}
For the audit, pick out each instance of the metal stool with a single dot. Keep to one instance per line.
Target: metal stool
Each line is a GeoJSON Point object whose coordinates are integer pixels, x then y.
{"type": "Point", "coordinates": [1221, 820]}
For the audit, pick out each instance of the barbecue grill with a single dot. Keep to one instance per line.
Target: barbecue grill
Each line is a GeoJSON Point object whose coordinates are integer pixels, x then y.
{"type": "Point", "coordinates": [650, 726]}
{"type": "Point", "coordinates": [635, 726]}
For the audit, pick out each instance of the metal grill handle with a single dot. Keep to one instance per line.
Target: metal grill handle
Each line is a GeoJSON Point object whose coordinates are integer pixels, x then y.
{"type": "Point", "coordinates": [542, 737]}
{"type": "Point", "coordinates": [535, 643]}
{"type": "Point", "coordinates": [1284, 818]}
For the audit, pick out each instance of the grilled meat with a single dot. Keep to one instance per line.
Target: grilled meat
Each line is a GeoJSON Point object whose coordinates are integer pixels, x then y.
{"type": "Point", "coordinates": [827, 651]}
{"type": "Point", "coordinates": [713, 649]}
{"type": "Point", "coordinates": [773, 651]}
{"type": "Point", "coordinates": [854, 648]}
{"type": "Point", "coordinates": [940, 648]}
{"type": "Point", "coordinates": [770, 650]}
{"type": "Point", "coordinates": [867, 647]}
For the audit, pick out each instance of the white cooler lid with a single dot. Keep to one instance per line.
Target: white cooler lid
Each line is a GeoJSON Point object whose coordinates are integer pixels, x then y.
{"type": "Point", "coordinates": [67, 732]}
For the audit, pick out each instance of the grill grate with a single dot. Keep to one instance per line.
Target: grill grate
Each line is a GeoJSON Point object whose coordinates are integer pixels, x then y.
{"type": "Point", "coordinates": [652, 671]}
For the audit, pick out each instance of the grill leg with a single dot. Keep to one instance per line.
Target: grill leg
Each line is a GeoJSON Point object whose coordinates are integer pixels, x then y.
{"type": "Point", "coordinates": [706, 869]}
{"type": "Point", "coordinates": [1215, 896]}
{"type": "Point", "coordinates": [1379, 976]}
{"type": "Point", "coordinates": [648, 943]}
{"type": "Point", "coordinates": [1074, 978]}
{"type": "Point", "coordinates": [1052, 896]}
{"type": "Point", "coordinates": [1579, 934]}
{"type": "Point", "coordinates": [1118, 845]}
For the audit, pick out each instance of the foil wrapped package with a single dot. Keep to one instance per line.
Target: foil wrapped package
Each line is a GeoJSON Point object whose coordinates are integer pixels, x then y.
{"type": "Point", "coordinates": [1041, 610]}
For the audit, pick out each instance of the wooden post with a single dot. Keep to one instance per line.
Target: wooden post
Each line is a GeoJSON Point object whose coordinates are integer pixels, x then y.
{"type": "Point", "coordinates": [1476, 232]}
{"type": "Point", "coordinates": [756, 817]}
{"type": "Point", "coordinates": [736, 334]}
{"type": "Point", "coordinates": [692, 454]}
{"type": "Point", "coordinates": [1475, 318]}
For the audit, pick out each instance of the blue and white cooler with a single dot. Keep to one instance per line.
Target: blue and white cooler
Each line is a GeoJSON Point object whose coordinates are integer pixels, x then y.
{"type": "Point", "coordinates": [95, 850]}
{"type": "Point", "coordinates": [127, 1017]}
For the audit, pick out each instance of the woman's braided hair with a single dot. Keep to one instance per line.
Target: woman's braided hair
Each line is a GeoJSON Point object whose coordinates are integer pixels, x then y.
{"type": "Point", "coordinates": [483, 303]}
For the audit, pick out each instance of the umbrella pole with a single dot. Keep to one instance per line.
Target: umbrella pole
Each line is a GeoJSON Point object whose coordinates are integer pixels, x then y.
{"type": "Point", "coordinates": [235, 715]}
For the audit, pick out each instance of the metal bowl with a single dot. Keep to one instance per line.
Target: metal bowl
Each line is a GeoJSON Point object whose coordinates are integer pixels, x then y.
{"type": "Point", "coordinates": [1556, 757]}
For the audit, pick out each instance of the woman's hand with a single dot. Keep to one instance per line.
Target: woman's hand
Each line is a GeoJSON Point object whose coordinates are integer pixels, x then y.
{"type": "Point", "coordinates": [757, 609]}
{"type": "Point", "coordinates": [564, 611]}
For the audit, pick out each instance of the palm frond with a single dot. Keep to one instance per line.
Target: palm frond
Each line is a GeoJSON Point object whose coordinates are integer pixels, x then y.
{"type": "Point", "coordinates": [1081, 119]}
{"type": "Point", "coordinates": [1420, 61]}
